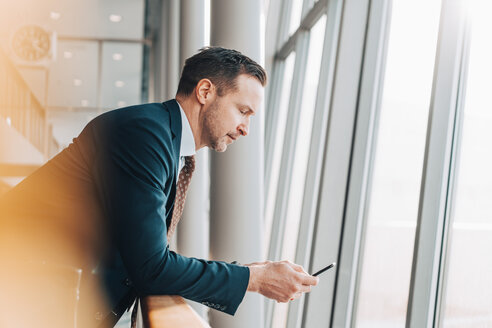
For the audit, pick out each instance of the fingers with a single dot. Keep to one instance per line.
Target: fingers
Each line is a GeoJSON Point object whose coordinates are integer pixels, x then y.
{"type": "Point", "coordinates": [283, 281]}
{"type": "Point", "coordinates": [298, 288]}
{"type": "Point", "coordinates": [296, 296]}
{"type": "Point", "coordinates": [304, 289]}
{"type": "Point", "coordinates": [301, 290]}
{"type": "Point", "coordinates": [307, 279]}
{"type": "Point", "coordinates": [297, 267]}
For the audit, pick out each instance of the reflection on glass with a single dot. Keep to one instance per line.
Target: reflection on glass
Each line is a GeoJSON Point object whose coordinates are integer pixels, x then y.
{"type": "Point", "coordinates": [468, 287]}
{"type": "Point", "coordinates": [301, 154]}
{"type": "Point", "coordinates": [394, 195]}
{"type": "Point", "coordinates": [279, 142]}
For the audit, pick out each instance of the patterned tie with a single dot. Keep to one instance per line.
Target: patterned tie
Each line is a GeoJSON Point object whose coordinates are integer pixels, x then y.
{"type": "Point", "coordinates": [182, 187]}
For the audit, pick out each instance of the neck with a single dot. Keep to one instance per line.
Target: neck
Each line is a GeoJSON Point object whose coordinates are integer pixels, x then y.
{"type": "Point", "coordinates": [192, 111]}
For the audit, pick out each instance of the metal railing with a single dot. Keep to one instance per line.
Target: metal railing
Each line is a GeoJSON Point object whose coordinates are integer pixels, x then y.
{"type": "Point", "coordinates": [20, 108]}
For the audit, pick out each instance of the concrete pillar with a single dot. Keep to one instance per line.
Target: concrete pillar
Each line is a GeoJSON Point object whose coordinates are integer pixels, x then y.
{"type": "Point", "coordinates": [193, 229]}
{"type": "Point", "coordinates": [236, 193]}
{"type": "Point", "coordinates": [165, 54]}
{"type": "Point", "coordinates": [173, 59]}
{"type": "Point", "coordinates": [169, 49]}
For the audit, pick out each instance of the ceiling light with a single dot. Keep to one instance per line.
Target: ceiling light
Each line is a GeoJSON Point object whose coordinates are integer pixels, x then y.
{"type": "Point", "coordinates": [119, 84]}
{"type": "Point", "coordinates": [121, 103]}
{"type": "Point", "coordinates": [115, 18]}
{"type": "Point", "coordinates": [55, 15]}
{"type": "Point", "coordinates": [84, 102]}
{"type": "Point", "coordinates": [9, 121]}
{"type": "Point", "coordinates": [67, 54]}
{"type": "Point", "coordinates": [117, 56]}
{"type": "Point", "coordinates": [77, 82]}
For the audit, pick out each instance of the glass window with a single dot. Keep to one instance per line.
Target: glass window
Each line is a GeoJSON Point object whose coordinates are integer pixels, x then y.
{"type": "Point", "coordinates": [468, 285]}
{"type": "Point", "coordinates": [303, 139]}
{"type": "Point", "coordinates": [295, 16]}
{"type": "Point", "coordinates": [397, 168]}
{"type": "Point", "coordinates": [301, 155]}
{"type": "Point", "coordinates": [279, 141]}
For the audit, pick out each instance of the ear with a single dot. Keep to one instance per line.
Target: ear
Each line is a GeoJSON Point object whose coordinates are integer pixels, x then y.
{"type": "Point", "coordinates": [205, 91]}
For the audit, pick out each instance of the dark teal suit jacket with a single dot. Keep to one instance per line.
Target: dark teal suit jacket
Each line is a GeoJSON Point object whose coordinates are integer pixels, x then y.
{"type": "Point", "coordinates": [121, 171]}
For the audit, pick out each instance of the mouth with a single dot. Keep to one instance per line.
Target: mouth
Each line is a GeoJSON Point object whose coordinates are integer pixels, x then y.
{"type": "Point", "coordinates": [233, 138]}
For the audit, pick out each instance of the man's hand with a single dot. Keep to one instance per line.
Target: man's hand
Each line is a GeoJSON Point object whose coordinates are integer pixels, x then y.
{"type": "Point", "coordinates": [281, 281]}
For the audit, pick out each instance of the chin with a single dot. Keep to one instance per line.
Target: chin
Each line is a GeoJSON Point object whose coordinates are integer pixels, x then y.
{"type": "Point", "coordinates": [220, 147]}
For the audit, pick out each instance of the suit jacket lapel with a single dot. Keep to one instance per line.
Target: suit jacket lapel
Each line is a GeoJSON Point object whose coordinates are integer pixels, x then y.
{"type": "Point", "coordinates": [176, 127]}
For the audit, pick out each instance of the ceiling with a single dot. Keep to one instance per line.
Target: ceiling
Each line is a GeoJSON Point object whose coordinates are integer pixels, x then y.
{"type": "Point", "coordinates": [95, 58]}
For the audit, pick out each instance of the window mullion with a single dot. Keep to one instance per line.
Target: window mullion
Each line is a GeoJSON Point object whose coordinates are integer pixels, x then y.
{"type": "Point", "coordinates": [316, 153]}
{"type": "Point", "coordinates": [287, 160]}
{"type": "Point", "coordinates": [362, 160]}
{"type": "Point", "coordinates": [436, 172]}
{"type": "Point", "coordinates": [336, 163]}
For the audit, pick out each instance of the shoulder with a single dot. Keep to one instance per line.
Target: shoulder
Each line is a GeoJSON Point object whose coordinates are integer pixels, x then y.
{"type": "Point", "coordinates": [134, 123]}
{"type": "Point", "coordinates": [155, 112]}
{"type": "Point", "coordinates": [142, 132]}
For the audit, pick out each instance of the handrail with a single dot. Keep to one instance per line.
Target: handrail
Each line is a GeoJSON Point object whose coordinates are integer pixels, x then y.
{"type": "Point", "coordinates": [17, 170]}
{"type": "Point", "coordinates": [169, 311]}
{"type": "Point", "coordinates": [22, 110]}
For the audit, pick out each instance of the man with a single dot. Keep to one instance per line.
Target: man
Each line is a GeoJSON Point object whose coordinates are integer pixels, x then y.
{"type": "Point", "coordinates": [115, 194]}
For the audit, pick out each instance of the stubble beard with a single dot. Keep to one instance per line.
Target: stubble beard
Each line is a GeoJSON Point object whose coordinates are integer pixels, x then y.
{"type": "Point", "coordinates": [211, 128]}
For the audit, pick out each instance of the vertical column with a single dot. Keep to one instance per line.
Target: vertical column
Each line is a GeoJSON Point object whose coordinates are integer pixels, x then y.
{"type": "Point", "coordinates": [236, 193]}
{"type": "Point", "coordinates": [159, 53]}
{"type": "Point", "coordinates": [173, 68]}
{"type": "Point", "coordinates": [434, 207]}
{"type": "Point", "coordinates": [165, 50]}
{"type": "Point", "coordinates": [193, 229]}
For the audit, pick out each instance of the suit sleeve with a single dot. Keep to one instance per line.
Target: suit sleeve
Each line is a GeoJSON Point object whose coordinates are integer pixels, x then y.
{"type": "Point", "coordinates": [130, 172]}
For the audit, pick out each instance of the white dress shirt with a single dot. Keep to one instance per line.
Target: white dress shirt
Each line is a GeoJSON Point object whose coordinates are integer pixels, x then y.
{"type": "Point", "coordinates": [188, 147]}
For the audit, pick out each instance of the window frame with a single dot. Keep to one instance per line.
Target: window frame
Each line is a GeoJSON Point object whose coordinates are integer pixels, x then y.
{"type": "Point", "coordinates": [341, 155]}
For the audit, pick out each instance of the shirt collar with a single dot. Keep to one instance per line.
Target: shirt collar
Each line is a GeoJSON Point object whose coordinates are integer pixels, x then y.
{"type": "Point", "coordinates": [187, 140]}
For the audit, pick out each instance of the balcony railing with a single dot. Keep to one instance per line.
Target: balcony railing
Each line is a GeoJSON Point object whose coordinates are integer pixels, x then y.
{"type": "Point", "coordinates": [20, 108]}
{"type": "Point", "coordinates": [169, 311]}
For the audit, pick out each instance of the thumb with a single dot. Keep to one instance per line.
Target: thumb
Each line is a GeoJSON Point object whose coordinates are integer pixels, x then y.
{"type": "Point", "coordinates": [299, 268]}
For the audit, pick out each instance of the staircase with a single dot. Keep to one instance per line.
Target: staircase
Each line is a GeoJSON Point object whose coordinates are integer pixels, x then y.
{"type": "Point", "coordinates": [26, 138]}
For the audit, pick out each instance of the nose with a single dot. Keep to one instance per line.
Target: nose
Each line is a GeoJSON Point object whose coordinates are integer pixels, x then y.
{"type": "Point", "coordinates": [243, 129]}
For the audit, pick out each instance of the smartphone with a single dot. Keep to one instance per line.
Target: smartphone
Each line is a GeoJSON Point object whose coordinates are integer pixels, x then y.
{"type": "Point", "coordinates": [324, 269]}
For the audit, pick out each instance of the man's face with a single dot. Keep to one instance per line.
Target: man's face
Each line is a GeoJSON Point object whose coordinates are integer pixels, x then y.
{"type": "Point", "coordinates": [227, 118]}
